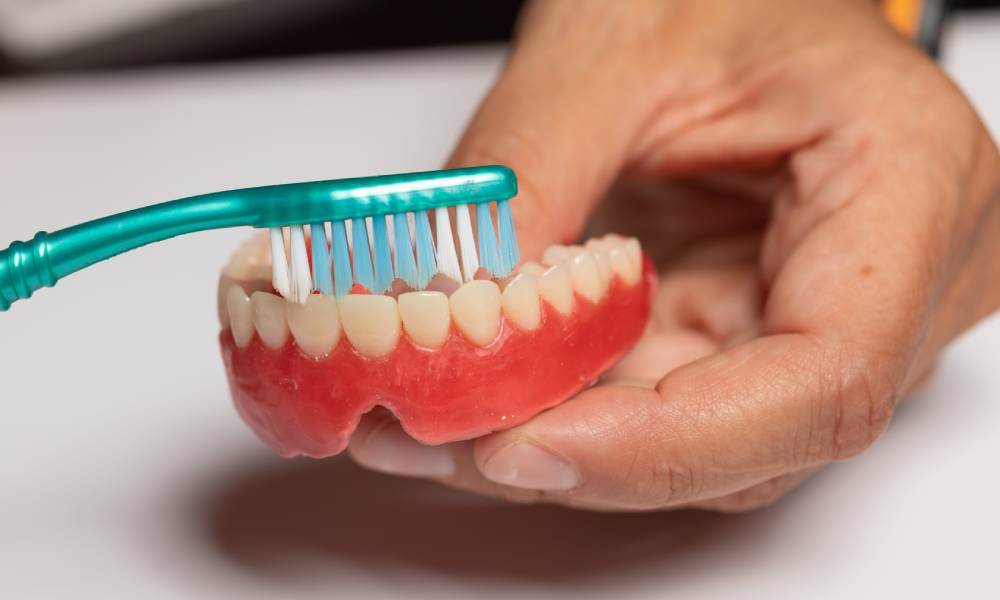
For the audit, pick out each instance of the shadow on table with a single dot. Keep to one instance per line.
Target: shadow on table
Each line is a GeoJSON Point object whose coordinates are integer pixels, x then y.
{"type": "Point", "coordinates": [275, 515]}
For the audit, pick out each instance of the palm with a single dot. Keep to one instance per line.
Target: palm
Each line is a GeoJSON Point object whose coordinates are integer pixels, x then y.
{"type": "Point", "coordinates": [705, 241]}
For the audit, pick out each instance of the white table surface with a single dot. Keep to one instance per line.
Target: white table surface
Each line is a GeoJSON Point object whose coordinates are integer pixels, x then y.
{"type": "Point", "coordinates": [126, 473]}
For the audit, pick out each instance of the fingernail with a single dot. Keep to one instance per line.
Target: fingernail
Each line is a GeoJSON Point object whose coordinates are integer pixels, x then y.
{"type": "Point", "coordinates": [389, 450]}
{"type": "Point", "coordinates": [525, 465]}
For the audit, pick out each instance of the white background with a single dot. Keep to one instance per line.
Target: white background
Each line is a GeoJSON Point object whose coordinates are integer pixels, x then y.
{"type": "Point", "coordinates": [126, 473]}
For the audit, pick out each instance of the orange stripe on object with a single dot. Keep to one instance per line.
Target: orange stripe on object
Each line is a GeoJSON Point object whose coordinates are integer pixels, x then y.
{"type": "Point", "coordinates": [903, 14]}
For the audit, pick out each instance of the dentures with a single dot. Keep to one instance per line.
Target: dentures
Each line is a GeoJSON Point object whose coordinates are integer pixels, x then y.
{"type": "Point", "coordinates": [489, 355]}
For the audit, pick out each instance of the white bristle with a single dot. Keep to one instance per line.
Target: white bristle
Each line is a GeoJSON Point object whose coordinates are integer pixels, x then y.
{"type": "Point", "coordinates": [279, 262]}
{"type": "Point", "coordinates": [467, 242]}
{"type": "Point", "coordinates": [301, 280]}
{"type": "Point", "coordinates": [447, 259]}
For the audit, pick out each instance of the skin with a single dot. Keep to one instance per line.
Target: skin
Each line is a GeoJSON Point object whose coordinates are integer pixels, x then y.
{"type": "Point", "coordinates": [822, 203]}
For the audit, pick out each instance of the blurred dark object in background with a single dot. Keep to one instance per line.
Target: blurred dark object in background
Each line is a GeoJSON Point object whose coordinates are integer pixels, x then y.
{"type": "Point", "coordinates": [57, 35]}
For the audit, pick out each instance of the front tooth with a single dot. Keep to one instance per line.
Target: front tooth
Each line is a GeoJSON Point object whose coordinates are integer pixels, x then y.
{"type": "Point", "coordinates": [371, 323]}
{"type": "Point", "coordinates": [269, 318]}
{"type": "Point", "coordinates": [532, 268]}
{"type": "Point", "coordinates": [521, 303]}
{"type": "Point", "coordinates": [240, 315]}
{"type": "Point", "coordinates": [556, 287]}
{"type": "Point", "coordinates": [315, 324]}
{"type": "Point", "coordinates": [585, 276]}
{"type": "Point", "coordinates": [476, 310]}
{"type": "Point", "coordinates": [426, 318]}
{"type": "Point", "coordinates": [623, 265]}
{"type": "Point", "coordinates": [555, 254]}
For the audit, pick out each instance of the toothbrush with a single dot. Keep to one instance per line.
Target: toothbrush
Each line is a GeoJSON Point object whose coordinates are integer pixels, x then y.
{"type": "Point", "coordinates": [336, 264]}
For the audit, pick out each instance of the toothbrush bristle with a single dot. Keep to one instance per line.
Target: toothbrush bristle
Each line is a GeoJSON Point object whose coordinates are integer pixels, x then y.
{"type": "Point", "coordinates": [343, 278]}
{"type": "Point", "coordinates": [488, 253]}
{"type": "Point", "coordinates": [447, 258]}
{"type": "Point", "coordinates": [510, 255]}
{"type": "Point", "coordinates": [426, 263]}
{"type": "Point", "coordinates": [280, 278]}
{"type": "Point", "coordinates": [362, 254]}
{"type": "Point", "coordinates": [321, 265]}
{"type": "Point", "coordinates": [301, 281]}
{"type": "Point", "coordinates": [383, 256]}
{"type": "Point", "coordinates": [466, 242]}
{"type": "Point", "coordinates": [380, 248]}
{"type": "Point", "coordinates": [406, 268]}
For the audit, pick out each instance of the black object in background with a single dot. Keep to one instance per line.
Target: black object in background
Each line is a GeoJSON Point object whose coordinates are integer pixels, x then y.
{"type": "Point", "coordinates": [271, 28]}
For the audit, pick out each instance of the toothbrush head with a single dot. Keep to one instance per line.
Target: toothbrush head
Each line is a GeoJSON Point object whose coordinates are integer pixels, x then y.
{"type": "Point", "coordinates": [382, 233]}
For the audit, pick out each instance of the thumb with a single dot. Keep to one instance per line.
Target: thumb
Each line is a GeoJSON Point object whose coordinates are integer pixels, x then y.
{"type": "Point", "coordinates": [714, 427]}
{"type": "Point", "coordinates": [562, 117]}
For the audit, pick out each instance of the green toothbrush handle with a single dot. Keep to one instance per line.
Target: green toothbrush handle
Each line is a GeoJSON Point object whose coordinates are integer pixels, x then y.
{"type": "Point", "coordinates": [26, 267]}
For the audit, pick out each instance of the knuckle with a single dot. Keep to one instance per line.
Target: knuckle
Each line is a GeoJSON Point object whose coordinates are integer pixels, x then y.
{"type": "Point", "coordinates": [865, 398]}
{"type": "Point", "coordinates": [850, 395]}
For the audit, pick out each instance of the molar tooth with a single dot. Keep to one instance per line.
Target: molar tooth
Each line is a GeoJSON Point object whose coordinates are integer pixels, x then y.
{"type": "Point", "coordinates": [634, 252]}
{"type": "Point", "coordinates": [603, 268]}
{"type": "Point", "coordinates": [240, 315]}
{"type": "Point", "coordinates": [315, 324]}
{"type": "Point", "coordinates": [476, 309]}
{"type": "Point", "coordinates": [521, 303]}
{"type": "Point", "coordinates": [371, 323]}
{"type": "Point", "coordinates": [532, 268]}
{"type": "Point", "coordinates": [556, 287]}
{"type": "Point", "coordinates": [623, 265]}
{"type": "Point", "coordinates": [426, 318]}
{"type": "Point", "coordinates": [555, 254]}
{"type": "Point", "coordinates": [585, 276]}
{"type": "Point", "coordinates": [596, 245]}
{"type": "Point", "coordinates": [269, 318]}
{"type": "Point", "coordinates": [613, 240]}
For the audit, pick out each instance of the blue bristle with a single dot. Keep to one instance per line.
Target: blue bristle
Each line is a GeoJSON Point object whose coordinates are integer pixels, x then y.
{"type": "Point", "coordinates": [509, 253]}
{"type": "Point", "coordinates": [489, 258]}
{"type": "Point", "coordinates": [426, 263]}
{"type": "Point", "coordinates": [341, 259]}
{"type": "Point", "coordinates": [362, 254]}
{"type": "Point", "coordinates": [406, 268]}
{"type": "Point", "coordinates": [383, 256]}
{"type": "Point", "coordinates": [322, 278]}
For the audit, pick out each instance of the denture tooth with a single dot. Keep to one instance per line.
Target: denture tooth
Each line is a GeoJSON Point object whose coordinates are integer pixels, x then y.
{"type": "Point", "coordinates": [555, 254]}
{"type": "Point", "coordinates": [556, 287]}
{"type": "Point", "coordinates": [521, 302]}
{"type": "Point", "coordinates": [634, 252]}
{"type": "Point", "coordinates": [600, 249]}
{"type": "Point", "coordinates": [623, 265]}
{"type": "Point", "coordinates": [240, 315]}
{"type": "Point", "coordinates": [585, 276]}
{"type": "Point", "coordinates": [426, 317]}
{"type": "Point", "coordinates": [315, 325]}
{"type": "Point", "coordinates": [269, 319]}
{"type": "Point", "coordinates": [476, 309]}
{"type": "Point", "coordinates": [532, 268]}
{"type": "Point", "coordinates": [613, 240]}
{"type": "Point", "coordinates": [603, 268]}
{"type": "Point", "coordinates": [596, 245]}
{"type": "Point", "coordinates": [371, 323]}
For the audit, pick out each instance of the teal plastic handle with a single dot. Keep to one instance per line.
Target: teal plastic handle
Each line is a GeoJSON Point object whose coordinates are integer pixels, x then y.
{"type": "Point", "coordinates": [26, 267]}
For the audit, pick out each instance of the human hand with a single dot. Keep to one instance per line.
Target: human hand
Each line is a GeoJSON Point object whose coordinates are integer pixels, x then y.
{"type": "Point", "coordinates": [822, 204]}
